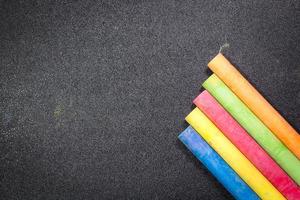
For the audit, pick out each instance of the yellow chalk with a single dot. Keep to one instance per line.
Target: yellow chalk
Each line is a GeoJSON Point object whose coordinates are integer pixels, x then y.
{"type": "Point", "coordinates": [235, 159]}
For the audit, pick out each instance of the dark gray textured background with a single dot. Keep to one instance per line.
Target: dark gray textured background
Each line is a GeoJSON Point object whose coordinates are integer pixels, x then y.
{"type": "Point", "coordinates": [94, 93]}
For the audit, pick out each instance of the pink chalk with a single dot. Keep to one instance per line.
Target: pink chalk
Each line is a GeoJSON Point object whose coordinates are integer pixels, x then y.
{"type": "Point", "coordinates": [244, 142]}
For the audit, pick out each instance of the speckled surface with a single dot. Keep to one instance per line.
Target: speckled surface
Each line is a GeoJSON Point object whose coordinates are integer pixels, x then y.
{"type": "Point", "coordinates": [93, 95]}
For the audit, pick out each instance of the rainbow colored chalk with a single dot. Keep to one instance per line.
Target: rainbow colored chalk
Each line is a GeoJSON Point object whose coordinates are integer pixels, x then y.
{"type": "Point", "coordinates": [254, 126]}
{"type": "Point", "coordinates": [251, 145]}
{"type": "Point", "coordinates": [247, 145]}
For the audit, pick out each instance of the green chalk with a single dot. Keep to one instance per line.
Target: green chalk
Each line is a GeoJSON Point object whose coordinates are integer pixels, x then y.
{"type": "Point", "coordinates": [254, 126]}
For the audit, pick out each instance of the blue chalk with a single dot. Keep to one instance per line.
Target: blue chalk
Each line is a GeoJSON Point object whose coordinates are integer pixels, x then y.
{"type": "Point", "coordinates": [216, 165]}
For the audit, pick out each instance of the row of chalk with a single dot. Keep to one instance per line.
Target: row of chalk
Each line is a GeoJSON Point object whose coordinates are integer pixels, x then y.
{"type": "Point", "coordinates": [242, 140]}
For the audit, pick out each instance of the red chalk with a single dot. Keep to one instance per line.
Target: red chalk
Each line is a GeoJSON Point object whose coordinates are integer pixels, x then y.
{"type": "Point", "coordinates": [244, 142]}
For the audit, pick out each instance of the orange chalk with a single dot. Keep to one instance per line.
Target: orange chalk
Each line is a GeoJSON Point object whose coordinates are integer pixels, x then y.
{"type": "Point", "coordinates": [256, 102]}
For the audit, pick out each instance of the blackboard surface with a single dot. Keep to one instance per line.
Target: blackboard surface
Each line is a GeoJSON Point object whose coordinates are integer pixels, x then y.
{"type": "Point", "coordinates": [93, 94]}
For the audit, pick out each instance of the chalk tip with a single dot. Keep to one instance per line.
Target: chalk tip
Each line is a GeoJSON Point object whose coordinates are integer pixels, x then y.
{"type": "Point", "coordinates": [201, 96]}
{"type": "Point", "coordinates": [210, 80]}
{"type": "Point", "coordinates": [216, 58]}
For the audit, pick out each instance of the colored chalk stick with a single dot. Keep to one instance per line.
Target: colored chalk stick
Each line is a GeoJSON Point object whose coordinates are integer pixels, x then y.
{"type": "Point", "coordinates": [254, 126]}
{"type": "Point", "coordinates": [247, 145]}
{"type": "Point", "coordinates": [234, 158]}
{"type": "Point", "coordinates": [216, 165]}
{"type": "Point", "coordinates": [256, 103]}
